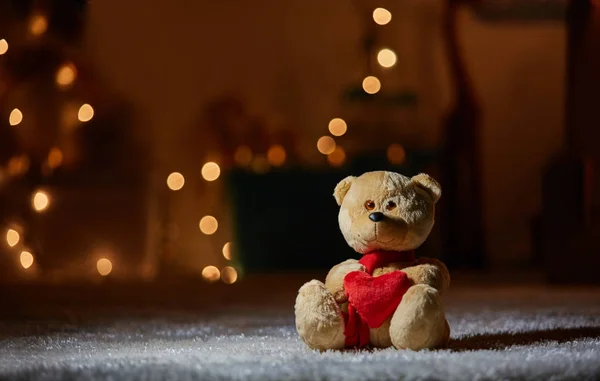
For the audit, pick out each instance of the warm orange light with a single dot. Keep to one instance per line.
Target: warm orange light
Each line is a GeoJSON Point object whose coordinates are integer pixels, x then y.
{"type": "Point", "coordinates": [18, 165]}
{"type": "Point", "coordinates": [337, 157]}
{"type": "Point", "coordinates": [227, 251]}
{"type": "Point", "coordinates": [382, 16]}
{"type": "Point", "coordinates": [26, 259]}
{"type": "Point", "coordinates": [337, 126]}
{"type": "Point", "coordinates": [12, 237]}
{"type": "Point", "coordinates": [396, 154]}
{"type": "Point", "coordinates": [15, 117]}
{"type": "Point", "coordinates": [175, 181]}
{"type": "Point", "coordinates": [326, 145]}
{"type": "Point", "coordinates": [211, 171]}
{"type": "Point", "coordinates": [104, 266]}
{"type": "Point", "coordinates": [228, 275]}
{"type": "Point", "coordinates": [208, 225]}
{"type": "Point", "coordinates": [386, 57]}
{"type": "Point", "coordinates": [211, 273]}
{"type": "Point", "coordinates": [38, 25]}
{"type": "Point", "coordinates": [243, 156]}
{"type": "Point", "coordinates": [86, 113]}
{"type": "Point", "coordinates": [3, 46]}
{"type": "Point", "coordinates": [66, 74]}
{"type": "Point", "coordinates": [276, 155]}
{"type": "Point", "coordinates": [55, 158]}
{"type": "Point", "coordinates": [40, 201]}
{"type": "Point", "coordinates": [260, 164]}
{"type": "Point", "coordinates": [371, 85]}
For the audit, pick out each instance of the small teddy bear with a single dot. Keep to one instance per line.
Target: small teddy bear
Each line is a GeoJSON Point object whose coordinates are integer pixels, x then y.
{"type": "Point", "coordinates": [387, 297]}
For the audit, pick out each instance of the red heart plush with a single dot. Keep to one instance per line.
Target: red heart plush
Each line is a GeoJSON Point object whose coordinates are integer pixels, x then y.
{"type": "Point", "coordinates": [375, 298]}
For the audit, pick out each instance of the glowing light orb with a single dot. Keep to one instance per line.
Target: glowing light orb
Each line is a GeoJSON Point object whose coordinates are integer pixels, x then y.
{"type": "Point", "coordinates": [211, 273]}
{"type": "Point", "coordinates": [326, 145]}
{"type": "Point", "coordinates": [371, 85]}
{"type": "Point", "coordinates": [211, 171]}
{"type": "Point", "coordinates": [55, 158]}
{"type": "Point", "coordinates": [337, 157]}
{"type": "Point", "coordinates": [3, 46]}
{"type": "Point", "coordinates": [18, 165]}
{"type": "Point", "coordinates": [382, 16]}
{"type": "Point", "coordinates": [12, 237]}
{"type": "Point", "coordinates": [396, 154]}
{"type": "Point", "coordinates": [227, 251]}
{"type": "Point", "coordinates": [15, 117]}
{"type": "Point", "coordinates": [66, 74]}
{"type": "Point", "coordinates": [276, 155]}
{"type": "Point", "coordinates": [38, 25]}
{"type": "Point", "coordinates": [175, 181]}
{"type": "Point", "coordinates": [386, 57]}
{"type": "Point", "coordinates": [104, 266]}
{"type": "Point", "coordinates": [85, 113]}
{"type": "Point", "coordinates": [228, 275]}
{"type": "Point", "coordinates": [41, 201]}
{"type": "Point", "coordinates": [337, 126]}
{"type": "Point", "coordinates": [26, 259]}
{"type": "Point", "coordinates": [208, 225]}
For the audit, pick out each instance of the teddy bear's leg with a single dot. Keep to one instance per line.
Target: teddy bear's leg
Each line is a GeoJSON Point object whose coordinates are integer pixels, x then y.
{"type": "Point", "coordinates": [419, 321]}
{"type": "Point", "coordinates": [380, 336]}
{"type": "Point", "coordinates": [319, 320]}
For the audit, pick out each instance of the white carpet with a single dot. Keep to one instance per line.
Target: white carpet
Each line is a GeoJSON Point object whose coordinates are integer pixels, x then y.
{"type": "Point", "coordinates": [533, 333]}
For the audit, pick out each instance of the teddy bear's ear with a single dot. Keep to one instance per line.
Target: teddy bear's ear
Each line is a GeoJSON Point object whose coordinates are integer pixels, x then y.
{"type": "Point", "coordinates": [428, 185]}
{"type": "Point", "coordinates": [342, 188]}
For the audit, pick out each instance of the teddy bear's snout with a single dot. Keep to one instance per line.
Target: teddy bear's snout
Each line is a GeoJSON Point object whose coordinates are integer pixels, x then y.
{"type": "Point", "coordinates": [376, 217]}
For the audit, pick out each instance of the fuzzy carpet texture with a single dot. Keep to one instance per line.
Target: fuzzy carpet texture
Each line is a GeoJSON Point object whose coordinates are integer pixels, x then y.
{"type": "Point", "coordinates": [500, 333]}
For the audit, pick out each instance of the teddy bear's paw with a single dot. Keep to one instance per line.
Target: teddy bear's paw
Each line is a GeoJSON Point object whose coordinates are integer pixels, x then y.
{"type": "Point", "coordinates": [419, 321]}
{"type": "Point", "coordinates": [319, 321]}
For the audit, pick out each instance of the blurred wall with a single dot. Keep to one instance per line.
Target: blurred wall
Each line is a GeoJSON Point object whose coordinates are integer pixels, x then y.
{"type": "Point", "coordinates": [291, 60]}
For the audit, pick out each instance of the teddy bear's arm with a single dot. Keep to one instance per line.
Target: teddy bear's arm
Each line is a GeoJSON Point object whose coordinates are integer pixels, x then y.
{"type": "Point", "coordinates": [431, 272]}
{"type": "Point", "coordinates": [334, 281]}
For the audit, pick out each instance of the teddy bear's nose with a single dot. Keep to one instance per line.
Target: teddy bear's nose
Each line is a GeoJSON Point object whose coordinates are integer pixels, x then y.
{"type": "Point", "coordinates": [376, 217]}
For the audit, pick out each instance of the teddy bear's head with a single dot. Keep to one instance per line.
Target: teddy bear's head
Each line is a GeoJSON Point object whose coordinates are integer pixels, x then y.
{"type": "Point", "coordinates": [386, 210]}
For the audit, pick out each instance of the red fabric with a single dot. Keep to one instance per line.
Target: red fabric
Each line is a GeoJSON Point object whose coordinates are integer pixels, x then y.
{"type": "Point", "coordinates": [372, 300]}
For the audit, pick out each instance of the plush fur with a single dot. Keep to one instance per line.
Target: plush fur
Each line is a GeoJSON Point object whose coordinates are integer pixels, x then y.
{"type": "Point", "coordinates": [408, 206]}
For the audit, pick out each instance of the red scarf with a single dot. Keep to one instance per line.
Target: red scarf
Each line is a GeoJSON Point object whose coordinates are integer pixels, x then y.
{"type": "Point", "coordinates": [372, 300]}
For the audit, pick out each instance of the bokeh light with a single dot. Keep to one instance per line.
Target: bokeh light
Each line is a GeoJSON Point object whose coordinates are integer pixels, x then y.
{"type": "Point", "coordinates": [208, 225]}
{"type": "Point", "coordinates": [38, 25]}
{"type": "Point", "coordinates": [371, 85]}
{"type": "Point", "coordinates": [337, 157]}
{"type": "Point", "coordinates": [396, 154]}
{"type": "Point", "coordinates": [85, 113]}
{"type": "Point", "coordinates": [326, 145]}
{"type": "Point", "coordinates": [386, 57]}
{"type": "Point", "coordinates": [12, 237]}
{"type": "Point", "coordinates": [337, 126]}
{"type": "Point", "coordinates": [15, 117]}
{"type": "Point", "coordinates": [243, 156]}
{"type": "Point", "coordinates": [228, 275]}
{"type": "Point", "coordinates": [260, 164]}
{"type": "Point", "coordinates": [55, 157]}
{"type": "Point", "coordinates": [211, 171]}
{"type": "Point", "coordinates": [18, 165]}
{"type": "Point", "coordinates": [26, 259]}
{"type": "Point", "coordinates": [65, 75]}
{"type": "Point", "coordinates": [175, 181]}
{"type": "Point", "coordinates": [227, 251]}
{"type": "Point", "coordinates": [276, 155]}
{"type": "Point", "coordinates": [40, 201]}
{"type": "Point", "coordinates": [382, 16]}
{"type": "Point", "coordinates": [104, 266]}
{"type": "Point", "coordinates": [211, 273]}
{"type": "Point", "coordinates": [3, 46]}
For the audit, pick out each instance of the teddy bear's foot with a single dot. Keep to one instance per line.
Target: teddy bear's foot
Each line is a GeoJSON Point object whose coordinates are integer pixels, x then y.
{"type": "Point", "coordinates": [319, 320]}
{"type": "Point", "coordinates": [419, 321]}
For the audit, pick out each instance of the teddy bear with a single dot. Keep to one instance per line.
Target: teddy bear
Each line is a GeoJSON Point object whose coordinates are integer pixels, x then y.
{"type": "Point", "coordinates": [388, 297]}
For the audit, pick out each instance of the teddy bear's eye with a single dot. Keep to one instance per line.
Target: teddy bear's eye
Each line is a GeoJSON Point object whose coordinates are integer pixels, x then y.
{"type": "Point", "coordinates": [370, 205]}
{"type": "Point", "coordinates": [390, 205]}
